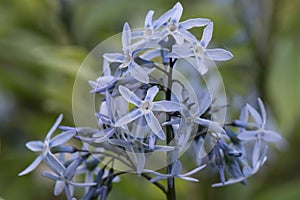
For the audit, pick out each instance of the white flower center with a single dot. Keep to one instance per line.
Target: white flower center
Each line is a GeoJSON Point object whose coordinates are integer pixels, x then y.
{"type": "Point", "coordinates": [172, 27]}
{"type": "Point", "coordinates": [146, 106]}
{"type": "Point", "coordinates": [198, 50]}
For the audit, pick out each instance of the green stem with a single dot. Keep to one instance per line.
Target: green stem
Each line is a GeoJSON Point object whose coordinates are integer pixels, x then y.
{"type": "Point", "coordinates": [171, 194]}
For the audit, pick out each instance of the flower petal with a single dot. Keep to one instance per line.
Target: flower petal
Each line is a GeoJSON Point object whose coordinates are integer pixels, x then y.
{"type": "Point", "coordinates": [207, 35]}
{"type": "Point", "coordinates": [129, 117]}
{"type": "Point", "coordinates": [271, 136]}
{"type": "Point", "coordinates": [54, 163]}
{"type": "Point", "coordinates": [138, 73]}
{"type": "Point", "coordinates": [178, 12]}
{"type": "Point", "coordinates": [188, 178]}
{"type": "Point", "coordinates": [151, 93]}
{"type": "Point", "coordinates": [255, 115]}
{"type": "Point", "coordinates": [148, 19]}
{"type": "Point", "coordinates": [191, 23]}
{"type": "Point", "coordinates": [194, 171]}
{"type": "Point", "coordinates": [218, 54]}
{"type": "Point", "coordinates": [126, 36]}
{"type": "Point", "coordinates": [59, 187]}
{"type": "Point", "coordinates": [176, 168]}
{"type": "Point", "coordinates": [35, 146]}
{"type": "Point", "coordinates": [32, 166]}
{"type": "Point", "coordinates": [262, 111]}
{"type": "Point", "coordinates": [113, 57]}
{"type": "Point", "coordinates": [165, 106]}
{"type": "Point", "coordinates": [50, 176]}
{"type": "Point", "coordinates": [200, 66]}
{"type": "Point", "coordinates": [214, 126]}
{"type": "Point", "coordinates": [130, 96]}
{"type": "Point", "coordinates": [62, 138]}
{"type": "Point", "coordinates": [248, 135]}
{"type": "Point", "coordinates": [54, 127]}
{"type": "Point", "coordinates": [155, 126]}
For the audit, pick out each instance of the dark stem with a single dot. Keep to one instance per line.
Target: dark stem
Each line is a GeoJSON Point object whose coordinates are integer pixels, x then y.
{"type": "Point", "coordinates": [171, 195]}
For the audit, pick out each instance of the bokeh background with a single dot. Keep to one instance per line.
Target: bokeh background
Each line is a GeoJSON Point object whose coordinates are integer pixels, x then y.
{"type": "Point", "coordinates": [43, 42]}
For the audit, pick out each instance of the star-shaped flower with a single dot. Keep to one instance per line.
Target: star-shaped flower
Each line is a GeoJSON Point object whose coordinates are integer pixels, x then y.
{"type": "Point", "coordinates": [145, 109]}
{"type": "Point", "coordinates": [46, 145]}
{"type": "Point", "coordinates": [126, 59]}
{"type": "Point", "coordinates": [63, 177]}
{"type": "Point", "coordinates": [198, 50]}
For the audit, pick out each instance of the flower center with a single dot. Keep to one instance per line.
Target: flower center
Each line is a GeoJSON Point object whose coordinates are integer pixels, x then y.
{"type": "Point", "coordinates": [198, 50]}
{"type": "Point", "coordinates": [146, 106]}
{"type": "Point", "coordinates": [172, 27]}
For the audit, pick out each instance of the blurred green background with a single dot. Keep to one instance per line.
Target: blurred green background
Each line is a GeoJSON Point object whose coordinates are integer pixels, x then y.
{"type": "Point", "coordinates": [43, 42]}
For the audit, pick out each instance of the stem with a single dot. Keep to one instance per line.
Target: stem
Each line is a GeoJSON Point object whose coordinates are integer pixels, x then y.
{"type": "Point", "coordinates": [171, 195]}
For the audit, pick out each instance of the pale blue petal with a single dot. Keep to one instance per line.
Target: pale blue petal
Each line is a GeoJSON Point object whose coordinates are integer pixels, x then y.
{"type": "Point", "coordinates": [69, 190]}
{"type": "Point", "coordinates": [244, 114]}
{"type": "Point", "coordinates": [130, 96]}
{"type": "Point", "coordinates": [54, 163]}
{"type": "Point", "coordinates": [188, 178]}
{"type": "Point", "coordinates": [59, 187]}
{"type": "Point", "coordinates": [229, 182]}
{"type": "Point", "coordinates": [263, 111]}
{"type": "Point", "coordinates": [165, 106]}
{"type": "Point", "coordinates": [214, 126]}
{"type": "Point", "coordinates": [148, 19]}
{"type": "Point", "coordinates": [164, 18]}
{"type": "Point", "coordinates": [248, 135]}
{"type": "Point", "coordinates": [163, 148]}
{"type": "Point", "coordinates": [200, 65]}
{"type": "Point", "coordinates": [151, 93]}
{"type": "Point", "coordinates": [178, 12]}
{"type": "Point", "coordinates": [255, 115]}
{"type": "Point", "coordinates": [191, 23]}
{"type": "Point", "coordinates": [138, 73]}
{"type": "Point", "coordinates": [129, 117]}
{"type": "Point", "coordinates": [54, 127]}
{"type": "Point", "coordinates": [62, 138]}
{"type": "Point", "coordinates": [194, 171]}
{"type": "Point", "coordinates": [113, 57]}
{"type": "Point", "coordinates": [218, 54]}
{"type": "Point", "coordinates": [207, 35]}
{"type": "Point", "coordinates": [181, 51]}
{"type": "Point", "coordinates": [176, 168]}
{"type": "Point", "coordinates": [82, 184]}
{"type": "Point", "coordinates": [188, 36]}
{"type": "Point", "coordinates": [35, 146]}
{"type": "Point", "coordinates": [51, 176]}
{"type": "Point", "coordinates": [32, 166]}
{"type": "Point", "coordinates": [271, 136]}
{"type": "Point", "coordinates": [126, 36]}
{"type": "Point", "coordinates": [158, 178]}
{"type": "Point", "coordinates": [141, 160]}
{"type": "Point", "coordinates": [178, 37]}
{"type": "Point", "coordinates": [155, 126]}
{"type": "Point", "coordinates": [256, 154]}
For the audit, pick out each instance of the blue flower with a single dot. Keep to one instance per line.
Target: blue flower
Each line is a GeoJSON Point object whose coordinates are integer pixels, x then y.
{"type": "Point", "coordinates": [63, 177]}
{"type": "Point", "coordinates": [145, 109]}
{"type": "Point", "coordinates": [260, 132]}
{"type": "Point", "coordinates": [46, 145]}
{"type": "Point", "coordinates": [179, 30]}
{"type": "Point", "coordinates": [126, 59]}
{"type": "Point", "coordinates": [199, 52]}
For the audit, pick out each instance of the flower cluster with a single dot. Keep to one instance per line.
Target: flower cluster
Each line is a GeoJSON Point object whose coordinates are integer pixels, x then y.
{"type": "Point", "coordinates": [145, 110]}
